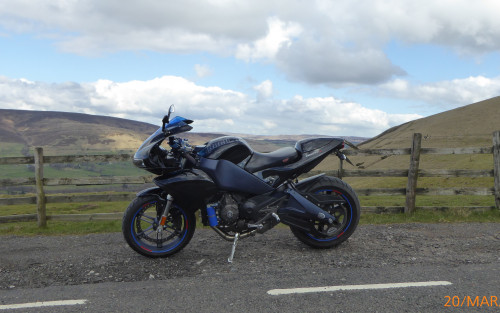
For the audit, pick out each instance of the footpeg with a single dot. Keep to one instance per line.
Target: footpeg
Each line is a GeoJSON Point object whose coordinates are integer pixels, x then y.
{"type": "Point", "coordinates": [268, 222]}
{"type": "Point", "coordinates": [257, 226]}
{"type": "Point", "coordinates": [233, 249]}
{"type": "Point", "coordinates": [276, 217]}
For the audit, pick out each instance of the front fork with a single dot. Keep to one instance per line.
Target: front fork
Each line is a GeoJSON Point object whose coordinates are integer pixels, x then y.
{"type": "Point", "coordinates": [163, 218]}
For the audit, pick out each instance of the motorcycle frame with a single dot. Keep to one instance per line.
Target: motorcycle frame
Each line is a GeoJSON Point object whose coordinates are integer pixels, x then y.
{"type": "Point", "coordinates": [209, 177]}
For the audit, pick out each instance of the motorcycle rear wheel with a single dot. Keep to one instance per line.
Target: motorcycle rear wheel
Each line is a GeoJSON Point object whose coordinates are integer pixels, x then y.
{"type": "Point", "coordinates": [143, 232]}
{"type": "Point", "coordinates": [346, 211]}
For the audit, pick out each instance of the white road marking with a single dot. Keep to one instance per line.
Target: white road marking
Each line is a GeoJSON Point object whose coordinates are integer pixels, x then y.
{"type": "Point", "coordinates": [277, 292]}
{"type": "Point", "coordinates": [41, 304]}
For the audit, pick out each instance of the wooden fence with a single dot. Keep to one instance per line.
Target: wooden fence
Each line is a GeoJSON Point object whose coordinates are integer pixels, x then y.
{"type": "Point", "coordinates": [411, 190]}
{"type": "Point", "coordinates": [413, 173]}
{"type": "Point", "coordinates": [40, 200]}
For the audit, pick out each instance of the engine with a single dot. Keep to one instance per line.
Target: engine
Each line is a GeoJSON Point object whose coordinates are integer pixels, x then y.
{"type": "Point", "coordinates": [237, 213]}
{"type": "Point", "coordinates": [228, 211]}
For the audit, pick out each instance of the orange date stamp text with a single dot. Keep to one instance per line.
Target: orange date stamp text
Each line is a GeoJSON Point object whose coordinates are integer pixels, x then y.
{"type": "Point", "coordinates": [468, 301]}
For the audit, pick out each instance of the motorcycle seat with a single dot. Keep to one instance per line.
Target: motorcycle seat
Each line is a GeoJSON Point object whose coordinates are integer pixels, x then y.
{"type": "Point", "coordinates": [280, 157]}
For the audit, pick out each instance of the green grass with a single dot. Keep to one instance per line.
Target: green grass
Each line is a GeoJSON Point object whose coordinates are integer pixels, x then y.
{"type": "Point", "coordinates": [57, 228]}
{"type": "Point", "coordinates": [457, 215]}
{"type": "Point", "coordinates": [66, 208]}
{"type": "Point", "coordinates": [113, 207]}
{"type": "Point", "coordinates": [9, 149]}
{"type": "Point", "coordinates": [73, 171]}
{"type": "Point", "coordinates": [423, 182]}
{"type": "Point", "coordinates": [458, 212]}
{"type": "Point", "coordinates": [434, 201]}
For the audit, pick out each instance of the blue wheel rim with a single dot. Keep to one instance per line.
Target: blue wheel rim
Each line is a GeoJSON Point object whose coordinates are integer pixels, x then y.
{"type": "Point", "coordinates": [177, 239]}
{"type": "Point", "coordinates": [349, 207]}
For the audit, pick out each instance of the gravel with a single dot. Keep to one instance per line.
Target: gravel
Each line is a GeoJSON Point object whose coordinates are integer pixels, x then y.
{"type": "Point", "coordinates": [31, 262]}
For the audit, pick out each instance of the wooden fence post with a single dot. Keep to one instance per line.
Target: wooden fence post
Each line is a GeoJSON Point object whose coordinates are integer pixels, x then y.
{"type": "Point", "coordinates": [411, 186]}
{"type": "Point", "coordinates": [40, 194]}
{"type": "Point", "coordinates": [496, 166]}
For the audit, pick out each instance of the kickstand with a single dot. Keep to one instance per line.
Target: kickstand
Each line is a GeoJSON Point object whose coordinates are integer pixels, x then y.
{"type": "Point", "coordinates": [235, 241]}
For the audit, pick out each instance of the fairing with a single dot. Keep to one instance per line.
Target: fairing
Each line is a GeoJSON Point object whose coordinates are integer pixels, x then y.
{"type": "Point", "coordinates": [190, 187]}
{"type": "Point", "coordinates": [151, 156]}
{"type": "Point", "coordinates": [143, 152]}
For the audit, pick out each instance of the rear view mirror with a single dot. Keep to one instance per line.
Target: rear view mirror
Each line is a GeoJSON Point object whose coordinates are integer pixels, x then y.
{"type": "Point", "coordinates": [166, 118]}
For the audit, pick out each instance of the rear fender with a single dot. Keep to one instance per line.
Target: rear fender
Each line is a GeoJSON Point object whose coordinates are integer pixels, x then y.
{"type": "Point", "coordinates": [308, 182]}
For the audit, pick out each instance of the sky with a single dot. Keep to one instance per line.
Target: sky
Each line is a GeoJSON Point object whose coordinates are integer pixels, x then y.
{"type": "Point", "coordinates": [338, 67]}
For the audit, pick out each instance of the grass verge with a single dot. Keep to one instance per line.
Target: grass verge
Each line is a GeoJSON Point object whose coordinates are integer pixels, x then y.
{"type": "Point", "coordinates": [59, 228]}
{"type": "Point", "coordinates": [454, 215]}
{"type": "Point", "coordinates": [67, 208]}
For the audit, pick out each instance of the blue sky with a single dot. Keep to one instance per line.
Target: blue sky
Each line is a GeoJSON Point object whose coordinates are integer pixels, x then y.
{"type": "Point", "coordinates": [343, 67]}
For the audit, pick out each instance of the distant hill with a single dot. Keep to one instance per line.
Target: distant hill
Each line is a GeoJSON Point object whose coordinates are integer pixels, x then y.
{"type": "Point", "coordinates": [75, 133]}
{"type": "Point", "coordinates": [468, 126]}
{"type": "Point", "coordinates": [68, 133]}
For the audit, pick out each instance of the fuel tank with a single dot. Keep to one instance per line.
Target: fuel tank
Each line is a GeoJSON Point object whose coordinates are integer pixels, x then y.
{"type": "Point", "coordinates": [230, 148]}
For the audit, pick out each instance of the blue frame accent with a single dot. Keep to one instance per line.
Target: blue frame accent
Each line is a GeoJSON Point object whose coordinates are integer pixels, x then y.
{"type": "Point", "coordinates": [176, 120]}
{"type": "Point", "coordinates": [178, 125]}
{"type": "Point", "coordinates": [212, 217]}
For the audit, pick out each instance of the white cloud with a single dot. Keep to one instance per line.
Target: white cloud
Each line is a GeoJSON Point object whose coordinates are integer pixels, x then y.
{"type": "Point", "coordinates": [320, 42]}
{"type": "Point", "coordinates": [280, 35]}
{"type": "Point", "coordinates": [323, 62]}
{"type": "Point", "coordinates": [202, 70]}
{"type": "Point", "coordinates": [214, 109]}
{"type": "Point", "coordinates": [328, 115]}
{"type": "Point", "coordinates": [213, 125]}
{"type": "Point", "coordinates": [269, 124]}
{"type": "Point", "coordinates": [145, 99]}
{"type": "Point", "coordinates": [264, 90]}
{"type": "Point", "coordinates": [446, 94]}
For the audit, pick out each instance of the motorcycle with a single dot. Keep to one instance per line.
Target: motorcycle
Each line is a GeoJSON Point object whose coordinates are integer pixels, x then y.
{"type": "Point", "coordinates": [240, 192]}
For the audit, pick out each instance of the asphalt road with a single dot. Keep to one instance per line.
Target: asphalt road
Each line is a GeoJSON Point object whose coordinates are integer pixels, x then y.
{"type": "Point", "coordinates": [110, 277]}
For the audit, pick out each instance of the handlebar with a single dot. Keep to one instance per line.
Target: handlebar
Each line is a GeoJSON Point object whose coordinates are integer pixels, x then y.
{"type": "Point", "coordinates": [181, 145]}
{"type": "Point", "coordinates": [189, 157]}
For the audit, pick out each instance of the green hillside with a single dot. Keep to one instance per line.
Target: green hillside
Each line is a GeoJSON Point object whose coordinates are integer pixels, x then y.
{"type": "Point", "coordinates": [73, 133]}
{"type": "Point", "coordinates": [467, 126]}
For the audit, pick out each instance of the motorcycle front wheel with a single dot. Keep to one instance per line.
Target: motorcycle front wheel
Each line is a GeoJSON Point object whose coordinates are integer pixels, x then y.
{"type": "Point", "coordinates": [143, 232]}
{"type": "Point", "coordinates": [344, 206]}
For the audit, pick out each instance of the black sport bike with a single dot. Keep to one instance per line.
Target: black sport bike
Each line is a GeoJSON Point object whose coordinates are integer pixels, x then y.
{"type": "Point", "coordinates": [239, 191]}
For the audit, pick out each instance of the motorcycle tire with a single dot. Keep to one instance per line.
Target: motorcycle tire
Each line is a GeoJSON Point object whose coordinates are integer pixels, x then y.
{"type": "Point", "coordinates": [347, 211]}
{"type": "Point", "coordinates": [143, 232]}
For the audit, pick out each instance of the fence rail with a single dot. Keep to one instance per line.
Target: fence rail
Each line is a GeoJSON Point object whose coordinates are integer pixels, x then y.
{"type": "Point", "coordinates": [67, 159]}
{"type": "Point", "coordinates": [412, 173]}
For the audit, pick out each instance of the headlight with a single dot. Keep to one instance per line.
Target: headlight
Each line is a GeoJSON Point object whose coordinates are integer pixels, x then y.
{"type": "Point", "coordinates": [139, 163]}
